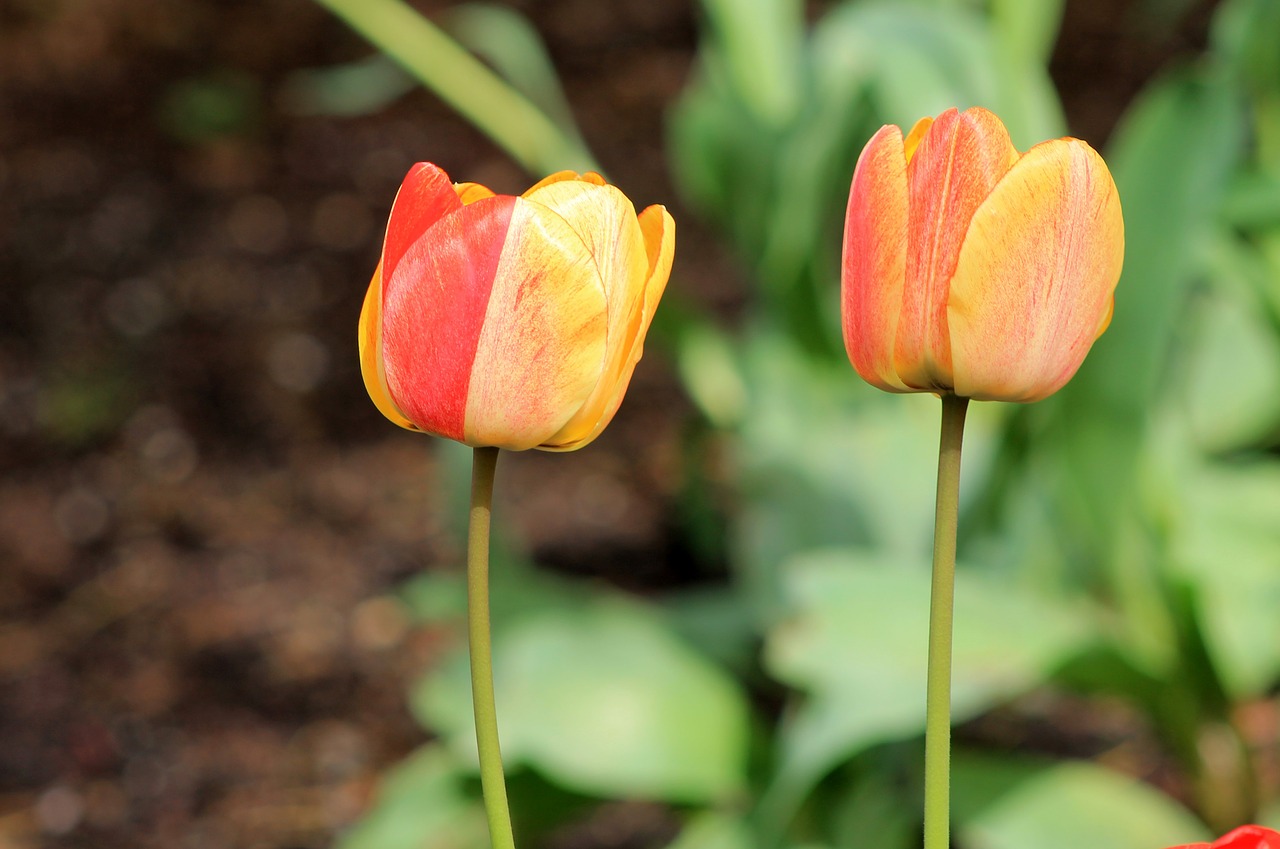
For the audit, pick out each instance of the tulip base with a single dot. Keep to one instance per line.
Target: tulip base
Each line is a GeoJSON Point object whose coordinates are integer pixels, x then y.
{"type": "Point", "coordinates": [937, 734]}
{"type": "Point", "coordinates": [492, 782]}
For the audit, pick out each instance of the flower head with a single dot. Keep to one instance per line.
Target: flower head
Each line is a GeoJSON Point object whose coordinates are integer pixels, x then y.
{"type": "Point", "coordinates": [975, 269]}
{"type": "Point", "coordinates": [508, 321]}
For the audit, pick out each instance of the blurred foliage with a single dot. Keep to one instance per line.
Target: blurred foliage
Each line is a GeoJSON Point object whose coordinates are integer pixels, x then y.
{"type": "Point", "coordinates": [1119, 541]}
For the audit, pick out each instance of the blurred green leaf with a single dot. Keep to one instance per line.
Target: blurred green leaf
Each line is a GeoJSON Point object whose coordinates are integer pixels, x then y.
{"type": "Point", "coordinates": [1228, 543]}
{"type": "Point", "coordinates": [856, 645]}
{"type": "Point", "coordinates": [1230, 380]}
{"type": "Point", "coordinates": [760, 42]}
{"type": "Point", "coordinates": [603, 700]}
{"type": "Point", "coordinates": [422, 802]}
{"type": "Point", "coordinates": [919, 61]}
{"type": "Point", "coordinates": [828, 461]}
{"type": "Point", "coordinates": [355, 88]}
{"type": "Point", "coordinates": [507, 41]}
{"type": "Point", "coordinates": [201, 109]}
{"type": "Point", "coordinates": [1002, 803]}
{"type": "Point", "coordinates": [712, 830]}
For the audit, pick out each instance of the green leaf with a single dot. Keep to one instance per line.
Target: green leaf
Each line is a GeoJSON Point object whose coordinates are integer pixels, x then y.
{"type": "Point", "coordinates": [1229, 385]}
{"type": "Point", "coordinates": [603, 700]}
{"type": "Point", "coordinates": [920, 61]}
{"type": "Point", "coordinates": [1227, 542]}
{"type": "Point", "coordinates": [714, 830]}
{"type": "Point", "coordinates": [828, 461]}
{"type": "Point", "coordinates": [421, 802]}
{"type": "Point", "coordinates": [857, 644]}
{"type": "Point", "coordinates": [760, 41]}
{"type": "Point", "coordinates": [1001, 803]}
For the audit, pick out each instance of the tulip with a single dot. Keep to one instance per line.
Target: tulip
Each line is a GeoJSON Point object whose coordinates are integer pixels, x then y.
{"type": "Point", "coordinates": [973, 269]}
{"type": "Point", "coordinates": [1244, 837]}
{"type": "Point", "coordinates": [511, 322]}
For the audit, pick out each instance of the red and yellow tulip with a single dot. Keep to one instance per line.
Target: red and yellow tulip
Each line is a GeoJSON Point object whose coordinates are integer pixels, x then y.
{"type": "Point", "coordinates": [1244, 837]}
{"type": "Point", "coordinates": [973, 269]}
{"type": "Point", "coordinates": [513, 322]}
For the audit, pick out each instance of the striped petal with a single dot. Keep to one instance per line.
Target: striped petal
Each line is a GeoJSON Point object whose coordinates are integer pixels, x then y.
{"type": "Point", "coordinates": [605, 220]}
{"type": "Point", "coordinates": [958, 161]}
{"type": "Point", "coordinates": [433, 311]}
{"type": "Point", "coordinates": [372, 368]}
{"type": "Point", "coordinates": [542, 347]}
{"type": "Point", "coordinates": [1034, 283]}
{"type": "Point", "coordinates": [875, 258]}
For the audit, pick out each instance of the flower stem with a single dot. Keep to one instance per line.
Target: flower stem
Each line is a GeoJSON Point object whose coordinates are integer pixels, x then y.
{"type": "Point", "coordinates": [492, 783]}
{"type": "Point", "coordinates": [937, 730]}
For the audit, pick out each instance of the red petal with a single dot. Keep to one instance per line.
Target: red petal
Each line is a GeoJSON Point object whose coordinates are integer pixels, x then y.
{"type": "Point", "coordinates": [433, 309]}
{"type": "Point", "coordinates": [425, 196]}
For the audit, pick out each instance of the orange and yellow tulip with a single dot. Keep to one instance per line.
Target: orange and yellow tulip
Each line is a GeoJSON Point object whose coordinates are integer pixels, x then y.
{"type": "Point", "coordinates": [973, 269]}
{"type": "Point", "coordinates": [1244, 837]}
{"type": "Point", "coordinates": [512, 322]}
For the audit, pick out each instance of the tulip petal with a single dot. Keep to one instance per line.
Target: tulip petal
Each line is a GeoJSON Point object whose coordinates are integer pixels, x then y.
{"type": "Point", "coordinates": [542, 347]}
{"type": "Point", "coordinates": [472, 192]}
{"type": "Point", "coordinates": [590, 177]}
{"type": "Point", "coordinates": [371, 363]}
{"type": "Point", "coordinates": [1034, 284]}
{"type": "Point", "coordinates": [960, 158]}
{"type": "Point", "coordinates": [659, 230]}
{"type": "Point", "coordinates": [425, 196]}
{"type": "Point", "coordinates": [875, 258]}
{"type": "Point", "coordinates": [606, 222]}
{"type": "Point", "coordinates": [433, 309]}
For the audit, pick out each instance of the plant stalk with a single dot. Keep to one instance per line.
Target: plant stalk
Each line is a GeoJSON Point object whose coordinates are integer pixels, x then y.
{"type": "Point", "coordinates": [492, 783]}
{"type": "Point", "coordinates": [937, 731]}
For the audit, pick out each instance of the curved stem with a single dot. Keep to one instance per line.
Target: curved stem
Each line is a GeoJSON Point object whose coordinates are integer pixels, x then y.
{"type": "Point", "coordinates": [937, 731]}
{"type": "Point", "coordinates": [492, 783]}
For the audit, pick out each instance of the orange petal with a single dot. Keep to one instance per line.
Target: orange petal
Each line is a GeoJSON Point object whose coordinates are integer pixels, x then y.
{"type": "Point", "coordinates": [565, 177]}
{"type": "Point", "coordinates": [542, 347]}
{"type": "Point", "coordinates": [371, 367]}
{"type": "Point", "coordinates": [958, 161]}
{"type": "Point", "coordinates": [433, 309]}
{"type": "Point", "coordinates": [606, 222]}
{"type": "Point", "coordinates": [1035, 280]}
{"type": "Point", "coordinates": [472, 192]}
{"type": "Point", "coordinates": [875, 258]}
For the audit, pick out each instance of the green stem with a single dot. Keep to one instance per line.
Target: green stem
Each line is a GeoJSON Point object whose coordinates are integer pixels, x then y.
{"type": "Point", "coordinates": [492, 783]}
{"type": "Point", "coordinates": [937, 729]}
{"type": "Point", "coordinates": [465, 83]}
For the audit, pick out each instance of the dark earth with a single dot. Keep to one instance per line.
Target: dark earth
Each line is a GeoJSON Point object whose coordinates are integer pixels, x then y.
{"type": "Point", "coordinates": [202, 517]}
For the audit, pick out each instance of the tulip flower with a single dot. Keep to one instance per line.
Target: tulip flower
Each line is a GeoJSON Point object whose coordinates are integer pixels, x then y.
{"type": "Point", "coordinates": [973, 269]}
{"type": "Point", "coordinates": [511, 322]}
{"type": "Point", "coordinates": [1244, 837]}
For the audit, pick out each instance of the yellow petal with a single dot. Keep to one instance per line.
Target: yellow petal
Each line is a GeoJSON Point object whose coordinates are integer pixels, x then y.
{"type": "Point", "coordinates": [1035, 280]}
{"type": "Point", "coordinates": [371, 367]}
{"type": "Point", "coordinates": [659, 230]}
{"type": "Point", "coordinates": [874, 263]}
{"type": "Point", "coordinates": [541, 349]}
{"type": "Point", "coordinates": [606, 222]}
{"type": "Point", "coordinates": [589, 177]}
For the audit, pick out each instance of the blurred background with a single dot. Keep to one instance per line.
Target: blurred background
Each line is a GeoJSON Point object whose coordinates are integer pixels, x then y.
{"type": "Point", "coordinates": [230, 595]}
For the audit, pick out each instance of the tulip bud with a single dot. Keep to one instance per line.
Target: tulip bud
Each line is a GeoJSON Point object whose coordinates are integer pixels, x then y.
{"type": "Point", "coordinates": [973, 269]}
{"type": "Point", "coordinates": [513, 322]}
